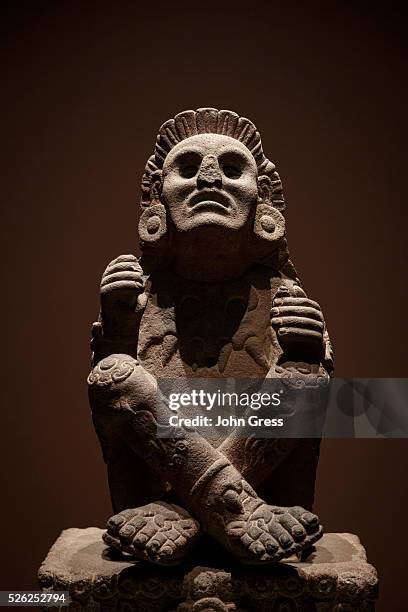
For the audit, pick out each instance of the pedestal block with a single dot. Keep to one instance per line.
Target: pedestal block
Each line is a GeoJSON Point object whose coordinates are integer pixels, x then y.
{"type": "Point", "coordinates": [335, 576]}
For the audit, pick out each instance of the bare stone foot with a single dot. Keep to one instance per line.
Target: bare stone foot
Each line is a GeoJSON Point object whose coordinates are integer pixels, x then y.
{"type": "Point", "coordinates": [159, 532]}
{"type": "Point", "coordinates": [258, 533]}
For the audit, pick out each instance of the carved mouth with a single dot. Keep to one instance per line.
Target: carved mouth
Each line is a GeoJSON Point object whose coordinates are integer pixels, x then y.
{"type": "Point", "coordinates": [210, 206]}
{"type": "Point", "coordinates": [210, 201]}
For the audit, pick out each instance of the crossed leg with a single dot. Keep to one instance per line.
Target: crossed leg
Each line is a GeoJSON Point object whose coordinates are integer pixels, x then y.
{"type": "Point", "coordinates": [124, 399]}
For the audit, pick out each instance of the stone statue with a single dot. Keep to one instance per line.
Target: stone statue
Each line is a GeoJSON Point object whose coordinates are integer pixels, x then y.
{"type": "Point", "coordinates": [214, 294]}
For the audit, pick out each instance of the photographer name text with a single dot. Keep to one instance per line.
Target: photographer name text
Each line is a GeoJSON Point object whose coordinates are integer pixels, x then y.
{"type": "Point", "coordinates": [230, 421]}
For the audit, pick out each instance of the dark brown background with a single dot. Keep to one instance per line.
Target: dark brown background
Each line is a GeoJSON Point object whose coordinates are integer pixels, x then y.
{"type": "Point", "coordinates": [86, 86]}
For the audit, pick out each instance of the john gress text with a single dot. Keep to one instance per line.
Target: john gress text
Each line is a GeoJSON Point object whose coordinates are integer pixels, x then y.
{"type": "Point", "coordinates": [219, 421]}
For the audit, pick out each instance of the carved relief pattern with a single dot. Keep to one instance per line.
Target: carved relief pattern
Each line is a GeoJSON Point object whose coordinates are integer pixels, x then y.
{"type": "Point", "coordinates": [111, 370]}
{"type": "Point", "coordinates": [212, 589]}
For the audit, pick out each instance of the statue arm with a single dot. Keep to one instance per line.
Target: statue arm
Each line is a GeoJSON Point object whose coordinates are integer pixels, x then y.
{"type": "Point", "coordinates": [103, 345]}
{"type": "Point", "coordinates": [300, 330]}
{"type": "Point", "coordinates": [123, 299]}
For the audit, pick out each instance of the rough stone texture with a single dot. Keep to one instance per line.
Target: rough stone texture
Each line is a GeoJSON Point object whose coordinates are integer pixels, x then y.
{"type": "Point", "coordinates": [213, 295]}
{"type": "Point", "coordinates": [335, 577]}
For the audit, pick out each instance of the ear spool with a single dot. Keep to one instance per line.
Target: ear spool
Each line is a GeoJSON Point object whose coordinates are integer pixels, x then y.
{"type": "Point", "coordinates": [269, 223]}
{"type": "Point", "coordinates": [153, 221]}
{"type": "Point", "coordinates": [269, 246]}
{"type": "Point", "coordinates": [153, 224]}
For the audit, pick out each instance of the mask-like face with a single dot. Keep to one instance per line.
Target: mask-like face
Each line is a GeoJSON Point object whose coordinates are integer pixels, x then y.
{"type": "Point", "coordinates": [210, 179]}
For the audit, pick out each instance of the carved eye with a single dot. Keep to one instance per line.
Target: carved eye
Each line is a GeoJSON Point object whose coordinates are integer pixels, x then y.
{"type": "Point", "coordinates": [188, 171]}
{"type": "Point", "coordinates": [232, 171]}
{"type": "Point", "coordinates": [233, 164]}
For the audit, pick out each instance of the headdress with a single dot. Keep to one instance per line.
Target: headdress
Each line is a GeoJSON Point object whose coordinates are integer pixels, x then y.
{"type": "Point", "coordinates": [210, 121]}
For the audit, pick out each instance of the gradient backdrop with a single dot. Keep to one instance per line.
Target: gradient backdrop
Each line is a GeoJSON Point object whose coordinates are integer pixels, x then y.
{"type": "Point", "coordinates": [85, 87]}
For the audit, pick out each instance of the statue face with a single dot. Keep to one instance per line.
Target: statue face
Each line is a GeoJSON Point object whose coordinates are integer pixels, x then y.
{"type": "Point", "coordinates": [210, 179]}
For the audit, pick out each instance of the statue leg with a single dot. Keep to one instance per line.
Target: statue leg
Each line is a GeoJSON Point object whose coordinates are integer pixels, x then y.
{"type": "Point", "coordinates": [150, 530]}
{"type": "Point", "coordinates": [282, 470]}
{"type": "Point", "coordinates": [257, 458]}
{"type": "Point", "coordinates": [125, 395]}
{"type": "Point", "coordinates": [132, 482]}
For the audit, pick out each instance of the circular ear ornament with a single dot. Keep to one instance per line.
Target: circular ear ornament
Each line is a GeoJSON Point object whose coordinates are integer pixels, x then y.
{"type": "Point", "coordinates": [153, 224]}
{"type": "Point", "coordinates": [269, 223]}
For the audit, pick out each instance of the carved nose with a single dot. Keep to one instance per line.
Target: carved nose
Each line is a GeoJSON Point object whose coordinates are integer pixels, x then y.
{"type": "Point", "coordinates": [209, 174]}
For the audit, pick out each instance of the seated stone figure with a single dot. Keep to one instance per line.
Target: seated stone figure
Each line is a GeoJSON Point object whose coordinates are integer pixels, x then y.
{"type": "Point", "coordinates": [213, 295]}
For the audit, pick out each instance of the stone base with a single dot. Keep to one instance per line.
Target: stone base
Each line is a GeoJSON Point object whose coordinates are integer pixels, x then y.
{"type": "Point", "coordinates": [335, 576]}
